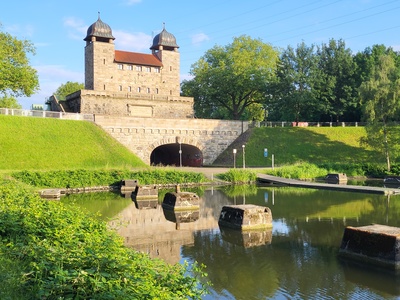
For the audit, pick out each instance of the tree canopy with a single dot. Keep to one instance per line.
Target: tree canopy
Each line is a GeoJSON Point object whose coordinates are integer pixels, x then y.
{"type": "Point", "coordinates": [9, 102]}
{"type": "Point", "coordinates": [228, 80]}
{"type": "Point", "coordinates": [17, 77]}
{"type": "Point", "coordinates": [381, 99]}
{"type": "Point", "coordinates": [68, 88]}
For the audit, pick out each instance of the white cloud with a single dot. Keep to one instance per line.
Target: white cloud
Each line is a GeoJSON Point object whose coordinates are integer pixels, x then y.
{"type": "Point", "coordinates": [396, 47]}
{"type": "Point", "coordinates": [199, 38]}
{"type": "Point", "coordinates": [77, 28]}
{"type": "Point", "coordinates": [137, 42]}
{"type": "Point", "coordinates": [131, 2]}
{"type": "Point", "coordinates": [50, 77]}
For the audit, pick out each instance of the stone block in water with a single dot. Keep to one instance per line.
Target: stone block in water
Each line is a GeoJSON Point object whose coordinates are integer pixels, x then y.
{"type": "Point", "coordinates": [373, 244]}
{"type": "Point", "coordinates": [181, 201]}
{"type": "Point", "coordinates": [245, 216]}
{"type": "Point", "coordinates": [337, 178]}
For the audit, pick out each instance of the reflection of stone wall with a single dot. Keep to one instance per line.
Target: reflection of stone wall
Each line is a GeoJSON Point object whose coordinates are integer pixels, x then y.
{"type": "Point", "coordinates": [143, 135]}
{"type": "Point", "coordinates": [148, 231]}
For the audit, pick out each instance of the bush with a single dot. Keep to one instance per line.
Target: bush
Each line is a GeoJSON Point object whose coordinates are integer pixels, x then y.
{"type": "Point", "coordinates": [239, 176]}
{"type": "Point", "coordinates": [88, 178]}
{"type": "Point", "coordinates": [59, 252]}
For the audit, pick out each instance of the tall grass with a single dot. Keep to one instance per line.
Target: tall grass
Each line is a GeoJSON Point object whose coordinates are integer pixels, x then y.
{"type": "Point", "coordinates": [53, 144]}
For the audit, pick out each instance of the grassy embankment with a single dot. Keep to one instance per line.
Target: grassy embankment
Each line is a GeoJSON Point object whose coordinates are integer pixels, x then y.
{"type": "Point", "coordinates": [307, 152]}
{"type": "Point", "coordinates": [53, 144]}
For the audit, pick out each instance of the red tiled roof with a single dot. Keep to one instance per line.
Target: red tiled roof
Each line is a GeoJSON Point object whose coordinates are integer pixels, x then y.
{"type": "Point", "coordinates": [137, 58]}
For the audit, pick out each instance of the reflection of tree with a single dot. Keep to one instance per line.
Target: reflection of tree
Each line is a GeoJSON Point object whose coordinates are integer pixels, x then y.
{"type": "Point", "coordinates": [302, 262]}
{"type": "Point", "coordinates": [108, 205]}
{"type": "Point", "coordinates": [244, 273]}
{"type": "Point", "coordinates": [240, 190]}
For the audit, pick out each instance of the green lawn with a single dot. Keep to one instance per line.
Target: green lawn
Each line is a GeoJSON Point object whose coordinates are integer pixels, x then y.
{"type": "Point", "coordinates": [313, 145]}
{"type": "Point", "coordinates": [28, 143]}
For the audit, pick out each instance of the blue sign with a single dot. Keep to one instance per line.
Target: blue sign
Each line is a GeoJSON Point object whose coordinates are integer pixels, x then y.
{"type": "Point", "coordinates": [265, 152]}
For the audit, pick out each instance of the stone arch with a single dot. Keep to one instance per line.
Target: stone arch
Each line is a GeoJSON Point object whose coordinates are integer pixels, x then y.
{"type": "Point", "coordinates": [176, 151]}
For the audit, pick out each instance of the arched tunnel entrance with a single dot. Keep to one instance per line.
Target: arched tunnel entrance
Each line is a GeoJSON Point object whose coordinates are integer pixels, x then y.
{"type": "Point", "coordinates": [177, 154]}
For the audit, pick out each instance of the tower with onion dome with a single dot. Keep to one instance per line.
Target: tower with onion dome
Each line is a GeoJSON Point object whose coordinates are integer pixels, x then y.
{"type": "Point", "coordinates": [166, 49]}
{"type": "Point", "coordinates": [99, 55]}
{"type": "Point", "coordinates": [125, 83]}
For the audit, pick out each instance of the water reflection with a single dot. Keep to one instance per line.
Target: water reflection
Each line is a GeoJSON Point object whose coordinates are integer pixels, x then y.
{"type": "Point", "coordinates": [296, 260]}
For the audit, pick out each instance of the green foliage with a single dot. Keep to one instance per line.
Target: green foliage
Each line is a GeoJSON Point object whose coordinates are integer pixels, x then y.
{"type": "Point", "coordinates": [239, 176]}
{"type": "Point", "coordinates": [53, 144]}
{"type": "Point", "coordinates": [311, 171]}
{"type": "Point", "coordinates": [293, 94]}
{"type": "Point", "coordinates": [68, 88]}
{"type": "Point", "coordinates": [60, 252]}
{"type": "Point", "coordinates": [299, 171]}
{"type": "Point", "coordinates": [88, 178]}
{"type": "Point", "coordinates": [227, 80]}
{"type": "Point", "coordinates": [381, 102]}
{"type": "Point", "coordinates": [9, 102]}
{"type": "Point", "coordinates": [17, 77]}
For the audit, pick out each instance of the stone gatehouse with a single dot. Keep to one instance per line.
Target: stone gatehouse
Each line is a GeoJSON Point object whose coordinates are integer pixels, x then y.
{"type": "Point", "coordinates": [135, 97]}
{"type": "Point", "coordinates": [128, 83]}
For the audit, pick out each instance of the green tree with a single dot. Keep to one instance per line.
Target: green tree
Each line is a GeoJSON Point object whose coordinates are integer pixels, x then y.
{"type": "Point", "coordinates": [336, 86]}
{"type": "Point", "coordinates": [231, 78]}
{"type": "Point", "coordinates": [17, 77]}
{"type": "Point", "coordinates": [9, 102]}
{"type": "Point", "coordinates": [68, 88]}
{"type": "Point", "coordinates": [380, 96]}
{"type": "Point", "coordinates": [293, 94]}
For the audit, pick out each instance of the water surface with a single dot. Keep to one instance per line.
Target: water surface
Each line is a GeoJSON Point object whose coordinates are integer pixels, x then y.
{"type": "Point", "coordinates": [296, 259]}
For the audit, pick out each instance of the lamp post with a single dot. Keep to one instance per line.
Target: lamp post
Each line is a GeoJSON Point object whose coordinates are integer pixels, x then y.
{"type": "Point", "coordinates": [234, 158]}
{"type": "Point", "coordinates": [244, 157]}
{"type": "Point", "coordinates": [180, 154]}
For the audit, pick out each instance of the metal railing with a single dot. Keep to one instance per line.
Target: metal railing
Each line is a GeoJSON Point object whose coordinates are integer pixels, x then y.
{"type": "Point", "coordinates": [310, 124]}
{"type": "Point", "coordinates": [46, 114]}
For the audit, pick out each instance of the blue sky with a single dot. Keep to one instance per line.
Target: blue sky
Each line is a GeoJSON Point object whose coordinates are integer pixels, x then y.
{"type": "Point", "coordinates": [57, 28]}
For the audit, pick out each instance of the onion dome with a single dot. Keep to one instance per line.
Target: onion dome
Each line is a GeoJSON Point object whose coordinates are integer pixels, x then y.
{"type": "Point", "coordinates": [100, 30]}
{"type": "Point", "coordinates": [166, 40]}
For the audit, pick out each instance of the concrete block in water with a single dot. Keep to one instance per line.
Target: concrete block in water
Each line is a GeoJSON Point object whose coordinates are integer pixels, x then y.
{"type": "Point", "coordinates": [337, 178]}
{"type": "Point", "coordinates": [181, 201]}
{"type": "Point", "coordinates": [246, 216]}
{"type": "Point", "coordinates": [373, 244]}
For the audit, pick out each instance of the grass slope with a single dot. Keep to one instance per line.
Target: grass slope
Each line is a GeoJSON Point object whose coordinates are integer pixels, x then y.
{"type": "Point", "coordinates": [51, 144]}
{"type": "Point", "coordinates": [295, 144]}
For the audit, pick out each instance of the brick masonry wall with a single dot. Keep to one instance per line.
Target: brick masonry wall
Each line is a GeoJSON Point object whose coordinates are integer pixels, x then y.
{"type": "Point", "coordinates": [143, 135]}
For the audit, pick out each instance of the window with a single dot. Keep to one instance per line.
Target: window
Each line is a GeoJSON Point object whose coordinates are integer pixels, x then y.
{"type": "Point", "coordinates": [148, 69]}
{"type": "Point", "coordinates": [120, 66]}
{"type": "Point", "coordinates": [129, 89]}
{"type": "Point", "coordinates": [130, 67]}
{"type": "Point", "coordinates": [148, 90]}
{"type": "Point", "coordinates": [139, 68]}
{"type": "Point", "coordinates": [104, 61]}
{"type": "Point", "coordinates": [157, 69]}
{"type": "Point", "coordinates": [170, 68]}
{"type": "Point", "coordinates": [138, 89]}
{"type": "Point", "coordinates": [120, 88]}
{"type": "Point", "coordinates": [156, 90]}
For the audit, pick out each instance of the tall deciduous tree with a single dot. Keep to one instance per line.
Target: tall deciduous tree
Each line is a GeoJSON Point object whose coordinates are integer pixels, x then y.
{"type": "Point", "coordinates": [381, 100]}
{"type": "Point", "coordinates": [17, 77]}
{"type": "Point", "coordinates": [337, 89]}
{"type": "Point", "coordinates": [293, 94]}
{"type": "Point", "coordinates": [68, 88]}
{"type": "Point", "coordinates": [231, 78]}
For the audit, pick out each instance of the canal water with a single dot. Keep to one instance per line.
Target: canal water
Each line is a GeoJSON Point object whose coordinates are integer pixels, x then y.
{"type": "Point", "coordinates": [296, 259]}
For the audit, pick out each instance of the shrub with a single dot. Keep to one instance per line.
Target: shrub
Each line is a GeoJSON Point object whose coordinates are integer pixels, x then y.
{"type": "Point", "coordinates": [239, 176]}
{"type": "Point", "coordinates": [87, 178]}
{"type": "Point", "coordinates": [61, 252]}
